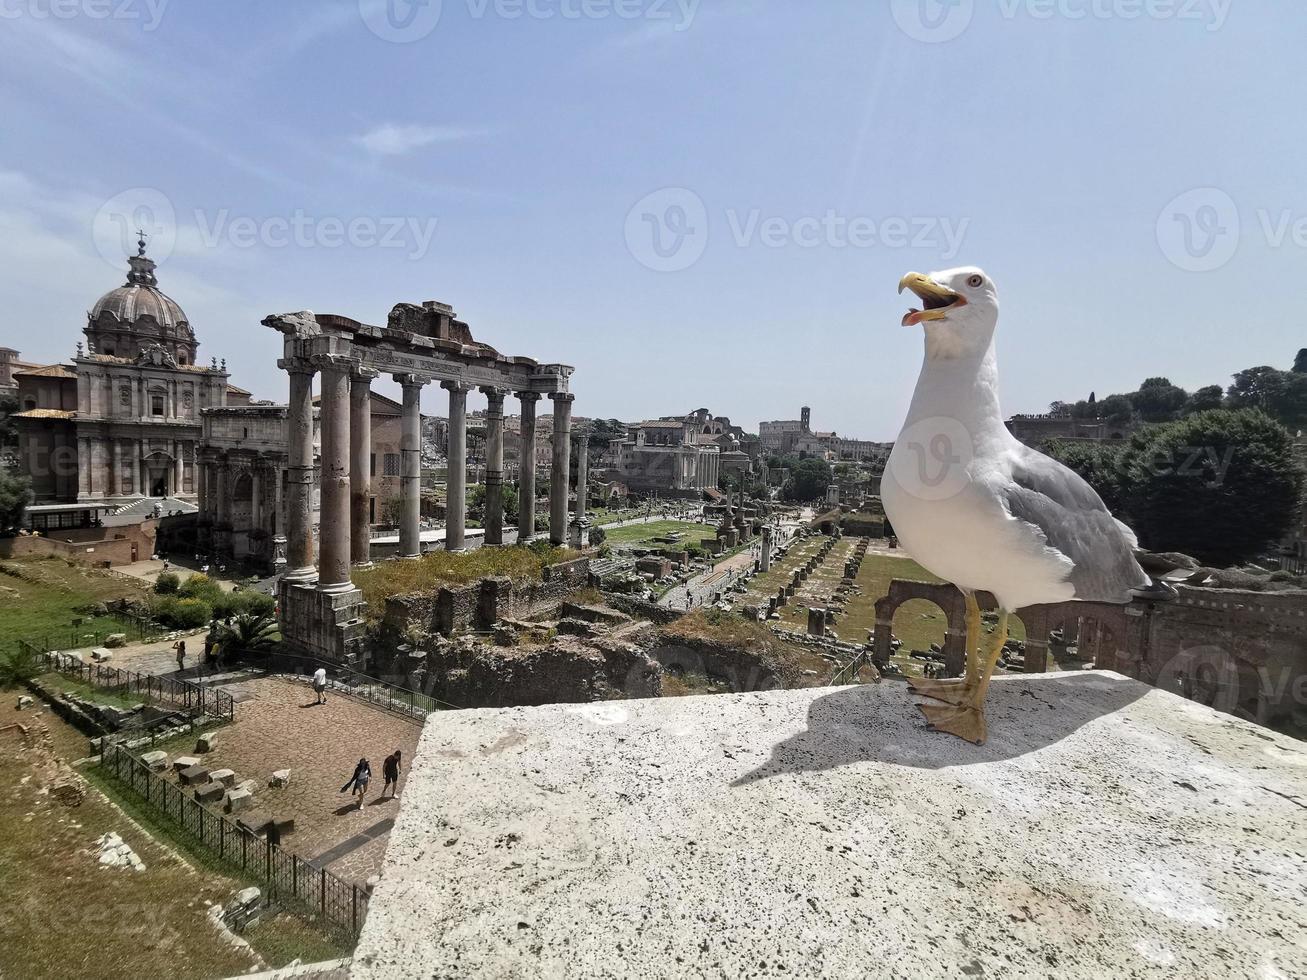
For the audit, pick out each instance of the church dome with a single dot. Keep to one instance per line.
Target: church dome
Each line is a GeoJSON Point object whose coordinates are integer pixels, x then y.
{"type": "Point", "coordinates": [134, 301]}
{"type": "Point", "coordinates": [138, 316]}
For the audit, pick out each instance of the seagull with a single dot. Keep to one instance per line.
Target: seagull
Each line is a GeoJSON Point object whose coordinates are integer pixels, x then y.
{"type": "Point", "coordinates": [980, 509]}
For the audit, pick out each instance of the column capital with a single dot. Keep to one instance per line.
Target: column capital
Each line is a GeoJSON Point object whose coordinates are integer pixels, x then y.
{"type": "Point", "coordinates": [528, 396]}
{"type": "Point", "coordinates": [296, 365]}
{"type": "Point", "coordinates": [362, 375]}
{"type": "Point", "coordinates": [494, 393]}
{"type": "Point", "coordinates": [562, 396]}
{"type": "Point", "coordinates": [410, 380]}
{"type": "Point", "coordinates": [457, 386]}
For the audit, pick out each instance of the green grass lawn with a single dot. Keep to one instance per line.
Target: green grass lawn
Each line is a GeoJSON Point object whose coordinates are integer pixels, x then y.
{"type": "Point", "coordinates": [42, 597]}
{"type": "Point", "coordinates": [917, 623]}
{"type": "Point", "coordinates": [602, 515]}
{"type": "Point", "coordinates": [638, 535]}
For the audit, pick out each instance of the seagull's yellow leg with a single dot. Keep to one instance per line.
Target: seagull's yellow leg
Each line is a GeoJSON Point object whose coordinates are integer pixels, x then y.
{"type": "Point", "coordinates": [957, 690]}
{"type": "Point", "coordinates": [966, 719]}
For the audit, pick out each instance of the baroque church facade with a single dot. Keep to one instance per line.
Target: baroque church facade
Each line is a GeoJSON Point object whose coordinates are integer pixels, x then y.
{"type": "Point", "coordinates": [122, 421]}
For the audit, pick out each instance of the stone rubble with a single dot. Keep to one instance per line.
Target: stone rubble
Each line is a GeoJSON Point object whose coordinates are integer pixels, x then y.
{"type": "Point", "coordinates": [116, 853]}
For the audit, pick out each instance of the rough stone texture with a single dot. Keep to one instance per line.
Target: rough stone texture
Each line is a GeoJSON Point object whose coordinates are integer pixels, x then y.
{"type": "Point", "coordinates": [1106, 829]}
{"type": "Point", "coordinates": [225, 776]}
{"type": "Point", "coordinates": [280, 778]}
{"type": "Point", "coordinates": [205, 743]}
{"type": "Point", "coordinates": [193, 775]}
{"type": "Point", "coordinates": [184, 762]}
{"type": "Point", "coordinates": [209, 792]}
{"type": "Point", "coordinates": [238, 800]}
{"type": "Point", "coordinates": [157, 760]}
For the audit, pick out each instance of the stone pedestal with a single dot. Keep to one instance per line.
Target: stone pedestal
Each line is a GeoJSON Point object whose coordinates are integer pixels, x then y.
{"type": "Point", "coordinates": [328, 625]}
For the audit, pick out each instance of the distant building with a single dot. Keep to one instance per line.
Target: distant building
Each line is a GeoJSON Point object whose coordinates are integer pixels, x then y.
{"type": "Point", "coordinates": [1035, 430]}
{"type": "Point", "coordinates": [677, 455]}
{"type": "Point", "coordinates": [122, 420]}
{"type": "Point", "coordinates": [795, 437]}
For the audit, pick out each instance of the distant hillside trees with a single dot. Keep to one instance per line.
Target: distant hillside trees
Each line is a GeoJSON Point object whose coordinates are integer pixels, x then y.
{"type": "Point", "coordinates": [1223, 485]}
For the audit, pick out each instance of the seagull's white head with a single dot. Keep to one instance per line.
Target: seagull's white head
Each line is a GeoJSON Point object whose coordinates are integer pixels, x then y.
{"type": "Point", "coordinates": [960, 310]}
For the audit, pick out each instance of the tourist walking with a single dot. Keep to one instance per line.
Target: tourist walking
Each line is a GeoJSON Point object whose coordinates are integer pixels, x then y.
{"type": "Point", "coordinates": [180, 647]}
{"type": "Point", "coordinates": [390, 769]}
{"type": "Point", "coordinates": [320, 685]}
{"type": "Point", "coordinates": [358, 783]}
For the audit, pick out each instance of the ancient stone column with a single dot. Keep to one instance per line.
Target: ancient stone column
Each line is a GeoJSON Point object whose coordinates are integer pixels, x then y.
{"type": "Point", "coordinates": [334, 549]}
{"type": "Point", "coordinates": [299, 473]}
{"type": "Point", "coordinates": [764, 559]}
{"type": "Point", "coordinates": [526, 469]}
{"type": "Point", "coordinates": [560, 477]}
{"type": "Point", "coordinates": [179, 462]}
{"type": "Point", "coordinates": [360, 465]}
{"type": "Point", "coordinates": [494, 465]}
{"type": "Point", "coordinates": [410, 467]}
{"type": "Point", "coordinates": [582, 473]}
{"type": "Point", "coordinates": [456, 497]}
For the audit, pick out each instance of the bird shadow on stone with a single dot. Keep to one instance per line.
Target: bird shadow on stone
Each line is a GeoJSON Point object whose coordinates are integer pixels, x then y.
{"type": "Point", "coordinates": [868, 723]}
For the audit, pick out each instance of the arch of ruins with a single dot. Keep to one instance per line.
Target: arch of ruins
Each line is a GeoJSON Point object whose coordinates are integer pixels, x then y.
{"type": "Point", "coordinates": [321, 611]}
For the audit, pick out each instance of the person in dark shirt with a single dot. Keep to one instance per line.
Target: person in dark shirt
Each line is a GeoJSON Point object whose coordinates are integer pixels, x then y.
{"type": "Point", "coordinates": [390, 769]}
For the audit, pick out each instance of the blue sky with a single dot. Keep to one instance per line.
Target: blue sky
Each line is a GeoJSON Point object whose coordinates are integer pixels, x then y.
{"type": "Point", "coordinates": [1128, 171]}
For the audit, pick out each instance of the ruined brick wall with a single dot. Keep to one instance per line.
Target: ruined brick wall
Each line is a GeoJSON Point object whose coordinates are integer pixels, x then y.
{"type": "Point", "coordinates": [1239, 651]}
{"type": "Point", "coordinates": [479, 605]}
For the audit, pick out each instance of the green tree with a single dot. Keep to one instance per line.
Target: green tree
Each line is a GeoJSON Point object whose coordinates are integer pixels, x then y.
{"type": "Point", "coordinates": [808, 480]}
{"type": "Point", "coordinates": [1300, 362]}
{"type": "Point", "coordinates": [1157, 400]}
{"type": "Point", "coordinates": [1222, 485]}
{"type": "Point", "coordinates": [1205, 399]}
{"type": "Point", "coordinates": [8, 431]}
{"type": "Point", "coordinates": [15, 495]}
{"type": "Point", "coordinates": [1117, 409]}
{"type": "Point", "coordinates": [246, 633]}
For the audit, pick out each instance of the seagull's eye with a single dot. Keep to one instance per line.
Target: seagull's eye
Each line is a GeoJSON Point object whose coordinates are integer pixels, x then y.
{"type": "Point", "coordinates": [975, 282]}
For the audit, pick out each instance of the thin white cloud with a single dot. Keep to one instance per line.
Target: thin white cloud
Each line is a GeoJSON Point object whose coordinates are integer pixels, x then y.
{"type": "Point", "coordinates": [393, 139]}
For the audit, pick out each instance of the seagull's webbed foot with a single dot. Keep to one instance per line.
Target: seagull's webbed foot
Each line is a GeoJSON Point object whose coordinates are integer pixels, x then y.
{"type": "Point", "coordinates": [953, 690]}
{"type": "Point", "coordinates": [963, 720]}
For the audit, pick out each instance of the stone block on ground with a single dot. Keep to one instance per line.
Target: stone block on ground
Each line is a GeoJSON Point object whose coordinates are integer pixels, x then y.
{"type": "Point", "coordinates": [225, 776]}
{"type": "Point", "coordinates": [25, 701]}
{"type": "Point", "coordinates": [238, 801]}
{"type": "Point", "coordinates": [280, 778]}
{"type": "Point", "coordinates": [255, 821]}
{"type": "Point", "coordinates": [115, 640]}
{"type": "Point", "coordinates": [205, 743]}
{"type": "Point", "coordinates": [156, 760]}
{"type": "Point", "coordinates": [193, 775]}
{"type": "Point", "coordinates": [209, 792]}
{"type": "Point", "coordinates": [101, 654]}
{"type": "Point", "coordinates": [184, 762]}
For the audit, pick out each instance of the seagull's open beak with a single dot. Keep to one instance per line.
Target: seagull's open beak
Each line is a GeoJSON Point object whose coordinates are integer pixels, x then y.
{"type": "Point", "coordinates": [937, 299]}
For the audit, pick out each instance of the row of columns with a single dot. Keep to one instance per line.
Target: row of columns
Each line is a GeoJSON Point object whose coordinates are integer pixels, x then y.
{"type": "Point", "coordinates": [346, 468]}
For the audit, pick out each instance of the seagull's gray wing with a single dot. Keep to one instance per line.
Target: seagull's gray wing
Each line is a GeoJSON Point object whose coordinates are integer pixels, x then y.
{"type": "Point", "coordinates": [1074, 520]}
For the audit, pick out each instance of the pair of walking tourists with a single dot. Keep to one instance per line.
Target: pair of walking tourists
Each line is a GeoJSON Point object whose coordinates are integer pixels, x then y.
{"type": "Point", "coordinates": [358, 783]}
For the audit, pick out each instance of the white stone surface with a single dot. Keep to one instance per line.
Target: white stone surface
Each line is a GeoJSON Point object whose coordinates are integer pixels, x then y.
{"type": "Point", "coordinates": [1106, 829]}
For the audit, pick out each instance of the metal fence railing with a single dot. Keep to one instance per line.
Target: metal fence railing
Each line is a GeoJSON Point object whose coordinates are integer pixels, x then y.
{"type": "Point", "coordinates": [344, 680]}
{"type": "Point", "coordinates": [849, 673]}
{"type": "Point", "coordinates": [290, 880]}
{"type": "Point", "coordinates": [174, 692]}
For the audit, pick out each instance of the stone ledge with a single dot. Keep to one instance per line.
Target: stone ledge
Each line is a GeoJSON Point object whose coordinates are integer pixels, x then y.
{"type": "Point", "coordinates": [1107, 828]}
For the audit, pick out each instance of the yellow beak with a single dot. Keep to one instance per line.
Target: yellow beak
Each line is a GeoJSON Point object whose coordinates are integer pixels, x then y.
{"type": "Point", "coordinates": [937, 298]}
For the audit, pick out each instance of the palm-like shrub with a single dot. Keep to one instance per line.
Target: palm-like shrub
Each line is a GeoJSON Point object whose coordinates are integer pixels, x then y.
{"type": "Point", "coordinates": [246, 633]}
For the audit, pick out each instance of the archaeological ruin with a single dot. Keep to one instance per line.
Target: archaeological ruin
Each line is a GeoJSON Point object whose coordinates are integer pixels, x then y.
{"type": "Point", "coordinates": [320, 607]}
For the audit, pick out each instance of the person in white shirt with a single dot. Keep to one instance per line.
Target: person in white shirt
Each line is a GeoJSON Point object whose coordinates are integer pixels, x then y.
{"type": "Point", "coordinates": [320, 685]}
